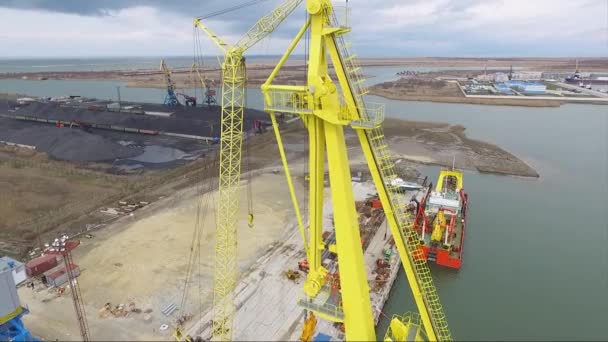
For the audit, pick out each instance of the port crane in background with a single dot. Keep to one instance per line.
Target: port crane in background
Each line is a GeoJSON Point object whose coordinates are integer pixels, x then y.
{"type": "Point", "coordinates": [206, 83]}
{"type": "Point", "coordinates": [326, 108]}
{"type": "Point", "coordinates": [171, 97]}
{"type": "Point", "coordinates": [233, 102]}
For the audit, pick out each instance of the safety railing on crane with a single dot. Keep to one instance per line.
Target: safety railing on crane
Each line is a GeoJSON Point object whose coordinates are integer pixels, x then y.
{"type": "Point", "coordinates": [341, 16]}
{"type": "Point", "coordinates": [409, 330]}
{"type": "Point", "coordinates": [327, 304]}
{"type": "Point", "coordinates": [373, 119]}
{"type": "Point", "coordinates": [287, 101]}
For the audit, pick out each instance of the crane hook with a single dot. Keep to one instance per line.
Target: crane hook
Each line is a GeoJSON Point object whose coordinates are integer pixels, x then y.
{"type": "Point", "coordinates": [250, 220]}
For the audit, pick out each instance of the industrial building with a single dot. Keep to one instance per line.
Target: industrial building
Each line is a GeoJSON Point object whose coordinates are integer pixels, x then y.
{"type": "Point", "coordinates": [493, 77]}
{"type": "Point", "coordinates": [11, 311]}
{"type": "Point", "coordinates": [526, 87]}
{"type": "Point", "coordinates": [503, 89]}
{"type": "Point", "coordinates": [17, 269]}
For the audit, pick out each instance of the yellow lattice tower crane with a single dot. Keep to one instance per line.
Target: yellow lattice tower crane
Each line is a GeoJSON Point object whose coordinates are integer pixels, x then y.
{"type": "Point", "coordinates": [233, 101]}
{"type": "Point", "coordinates": [326, 108]}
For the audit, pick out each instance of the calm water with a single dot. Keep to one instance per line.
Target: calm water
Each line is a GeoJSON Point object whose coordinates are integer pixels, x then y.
{"type": "Point", "coordinates": [535, 260]}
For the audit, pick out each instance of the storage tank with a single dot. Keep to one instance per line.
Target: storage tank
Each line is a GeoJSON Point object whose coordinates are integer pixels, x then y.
{"type": "Point", "coordinates": [9, 300]}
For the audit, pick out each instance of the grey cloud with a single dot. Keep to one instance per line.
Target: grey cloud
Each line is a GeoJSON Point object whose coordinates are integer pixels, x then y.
{"type": "Point", "coordinates": [101, 7]}
{"type": "Point", "coordinates": [238, 21]}
{"type": "Point", "coordinates": [190, 8]}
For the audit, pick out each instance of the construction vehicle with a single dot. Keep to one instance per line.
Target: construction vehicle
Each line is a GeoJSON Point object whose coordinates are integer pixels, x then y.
{"type": "Point", "coordinates": [309, 328]}
{"type": "Point", "coordinates": [171, 97]}
{"type": "Point", "coordinates": [83, 125]}
{"type": "Point", "coordinates": [190, 101]}
{"type": "Point", "coordinates": [231, 140]}
{"type": "Point", "coordinates": [326, 108]}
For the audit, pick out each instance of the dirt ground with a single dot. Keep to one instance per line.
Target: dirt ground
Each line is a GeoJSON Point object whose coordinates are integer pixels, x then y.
{"type": "Point", "coordinates": [47, 197]}
{"type": "Point", "coordinates": [441, 144]}
{"type": "Point", "coordinates": [144, 259]}
{"type": "Point", "coordinates": [36, 192]}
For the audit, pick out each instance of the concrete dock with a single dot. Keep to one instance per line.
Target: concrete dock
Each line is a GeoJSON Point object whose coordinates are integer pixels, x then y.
{"type": "Point", "coordinates": [267, 302]}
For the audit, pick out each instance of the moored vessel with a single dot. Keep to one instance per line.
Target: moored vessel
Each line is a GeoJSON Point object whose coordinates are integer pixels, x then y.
{"type": "Point", "coordinates": [441, 220]}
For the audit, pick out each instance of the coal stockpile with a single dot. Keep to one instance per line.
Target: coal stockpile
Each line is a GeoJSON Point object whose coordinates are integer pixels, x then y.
{"type": "Point", "coordinates": [66, 144]}
{"type": "Point", "coordinates": [200, 121]}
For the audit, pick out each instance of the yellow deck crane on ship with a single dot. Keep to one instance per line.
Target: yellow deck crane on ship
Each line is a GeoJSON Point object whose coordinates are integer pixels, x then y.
{"type": "Point", "coordinates": [325, 110]}
{"type": "Point", "coordinates": [233, 101]}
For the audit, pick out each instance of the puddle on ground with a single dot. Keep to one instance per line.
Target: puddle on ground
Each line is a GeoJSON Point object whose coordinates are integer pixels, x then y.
{"type": "Point", "coordinates": [159, 154]}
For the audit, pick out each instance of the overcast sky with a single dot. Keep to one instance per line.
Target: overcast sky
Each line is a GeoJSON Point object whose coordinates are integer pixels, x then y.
{"type": "Point", "coordinates": [484, 28]}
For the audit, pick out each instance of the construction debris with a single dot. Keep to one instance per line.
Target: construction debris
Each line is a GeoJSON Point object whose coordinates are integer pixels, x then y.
{"type": "Point", "coordinates": [124, 208]}
{"type": "Point", "coordinates": [120, 310]}
{"type": "Point", "coordinates": [292, 275]}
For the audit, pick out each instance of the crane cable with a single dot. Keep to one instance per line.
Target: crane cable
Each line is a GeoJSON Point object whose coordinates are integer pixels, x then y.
{"type": "Point", "coordinates": [205, 193]}
{"type": "Point", "coordinates": [247, 139]}
{"type": "Point", "coordinates": [230, 9]}
{"type": "Point", "coordinates": [249, 182]}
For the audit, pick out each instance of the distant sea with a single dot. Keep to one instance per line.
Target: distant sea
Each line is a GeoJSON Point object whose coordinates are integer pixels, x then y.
{"type": "Point", "coordinates": [8, 65]}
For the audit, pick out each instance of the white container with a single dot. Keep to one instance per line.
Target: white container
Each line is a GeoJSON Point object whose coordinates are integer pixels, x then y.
{"type": "Point", "coordinates": [9, 300]}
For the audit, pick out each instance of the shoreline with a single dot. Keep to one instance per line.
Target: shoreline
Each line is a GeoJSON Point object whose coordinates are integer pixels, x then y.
{"type": "Point", "coordinates": [471, 100]}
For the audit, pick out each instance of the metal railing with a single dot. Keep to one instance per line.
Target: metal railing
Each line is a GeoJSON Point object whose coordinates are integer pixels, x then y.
{"type": "Point", "coordinates": [411, 321]}
{"type": "Point", "coordinates": [284, 101]}
{"type": "Point", "coordinates": [373, 119]}
{"type": "Point", "coordinates": [327, 309]}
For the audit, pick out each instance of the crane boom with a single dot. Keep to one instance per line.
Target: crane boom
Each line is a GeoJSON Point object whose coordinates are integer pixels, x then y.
{"type": "Point", "coordinates": [325, 112]}
{"type": "Point", "coordinates": [234, 78]}
{"type": "Point", "coordinates": [267, 24]}
{"type": "Point", "coordinates": [214, 37]}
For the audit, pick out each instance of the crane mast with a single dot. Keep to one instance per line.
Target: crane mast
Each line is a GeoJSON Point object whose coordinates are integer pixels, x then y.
{"type": "Point", "coordinates": [234, 77]}
{"type": "Point", "coordinates": [325, 112]}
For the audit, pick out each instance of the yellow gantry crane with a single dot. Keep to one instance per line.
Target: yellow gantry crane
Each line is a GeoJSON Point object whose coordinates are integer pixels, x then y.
{"type": "Point", "coordinates": [234, 78]}
{"type": "Point", "coordinates": [326, 108]}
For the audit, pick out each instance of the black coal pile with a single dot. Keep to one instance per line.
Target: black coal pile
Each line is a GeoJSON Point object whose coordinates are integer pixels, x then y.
{"type": "Point", "coordinates": [70, 144]}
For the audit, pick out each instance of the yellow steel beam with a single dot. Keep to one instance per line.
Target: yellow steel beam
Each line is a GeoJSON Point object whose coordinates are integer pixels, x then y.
{"type": "Point", "coordinates": [292, 191]}
{"type": "Point", "coordinates": [214, 37]}
{"type": "Point", "coordinates": [286, 55]}
{"type": "Point", "coordinates": [382, 193]}
{"type": "Point", "coordinates": [324, 103]}
{"type": "Point", "coordinates": [358, 318]}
